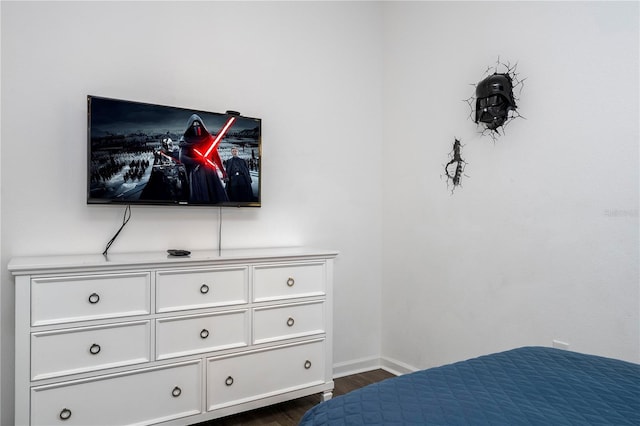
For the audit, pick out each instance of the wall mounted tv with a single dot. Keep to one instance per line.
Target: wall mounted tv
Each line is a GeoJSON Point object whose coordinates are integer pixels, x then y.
{"type": "Point", "coordinates": [140, 153]}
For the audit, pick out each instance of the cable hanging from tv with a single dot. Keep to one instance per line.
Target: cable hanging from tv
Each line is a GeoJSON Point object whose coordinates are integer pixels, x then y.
{"type": "Point", "coordinates": [125, 219]}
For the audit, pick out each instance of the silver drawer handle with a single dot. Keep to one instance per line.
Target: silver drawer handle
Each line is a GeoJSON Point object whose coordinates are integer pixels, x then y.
{"type": "Point", "coordinates": [176, 392]}
{"type": "Point", "coordinates": [204, 333]}
{"type": "Point", "coordinates": [94, 349]}
{"type": "Point", "coordinates": [307, 364]}
{"type": "Point", "coordinates": [290, 322]}
{"type": "Point", "coordinates": [65, 414]}
{"type": "Point", "coordinates": [94, 298]}
{"type": "Point", "coordinates": [229, 381]}
{"type": "Point", "coordinates": [291, 282]}
{"type": "Point", "coordinates": [204, 289]}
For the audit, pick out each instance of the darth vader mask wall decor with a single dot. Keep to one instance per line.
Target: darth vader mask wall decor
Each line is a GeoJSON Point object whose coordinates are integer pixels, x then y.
{"type": "Point", "coordinates": [493, 104]}
{"type": "Point", "coordinates": [492, 107]}
{"type": "Point", "coordinates": [494, 100]}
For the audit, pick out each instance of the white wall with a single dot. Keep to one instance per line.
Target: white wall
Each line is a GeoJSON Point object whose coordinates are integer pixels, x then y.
{"type": "Point", "coordinates": [2, 316]}
{"type": "Point", "coordinates": [541, 242]}
{"type": "Point", "coordinates": [311, 71]}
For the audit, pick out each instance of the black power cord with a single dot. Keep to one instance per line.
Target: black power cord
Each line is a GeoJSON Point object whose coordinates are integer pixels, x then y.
{"type": "Point", "coordinates": [125, 219]}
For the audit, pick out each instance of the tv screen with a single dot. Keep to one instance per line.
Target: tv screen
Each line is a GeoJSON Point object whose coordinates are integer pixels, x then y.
{"type": "Point", "coordinates": [140, 153]}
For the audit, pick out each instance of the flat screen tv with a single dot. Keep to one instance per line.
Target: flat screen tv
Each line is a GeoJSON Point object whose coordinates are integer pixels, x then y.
{"type": "Point", "coordinates": [141, 153]}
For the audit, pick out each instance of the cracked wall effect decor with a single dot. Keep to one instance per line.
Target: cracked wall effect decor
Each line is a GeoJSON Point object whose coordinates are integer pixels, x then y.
{"type": "Point", "coordinates": [493, 106]}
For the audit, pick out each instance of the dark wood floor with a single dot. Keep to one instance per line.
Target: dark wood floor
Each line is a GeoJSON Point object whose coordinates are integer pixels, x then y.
{"type": "Point", "coordinates": [289, 413]}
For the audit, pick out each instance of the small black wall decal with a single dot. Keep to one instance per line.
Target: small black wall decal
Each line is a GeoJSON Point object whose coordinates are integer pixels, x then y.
{"type": "Point", "coordinates": [455, 167]}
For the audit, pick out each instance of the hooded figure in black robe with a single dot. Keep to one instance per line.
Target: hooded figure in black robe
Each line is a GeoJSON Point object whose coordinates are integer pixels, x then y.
{"type": "Point", "coordinates": [204, 182]}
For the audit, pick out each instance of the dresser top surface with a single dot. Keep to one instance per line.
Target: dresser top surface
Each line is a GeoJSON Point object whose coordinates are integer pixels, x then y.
{"type": "Point", "coordinates": [25, 265]}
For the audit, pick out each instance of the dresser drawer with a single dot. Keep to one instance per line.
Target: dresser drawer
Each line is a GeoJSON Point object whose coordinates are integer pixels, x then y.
{"type": "Point", "coordinates": [63, 352]}
{"type": "Point", "coordinates": [201, 333]}
{"type": "Point", "coordinates": [288, 321]}
{"type": "Point", "coordinates": [232, 380]}
{"type": "Point", "coordinates": [68, 299]}
{"type": "Point", "coordinates": [140, 397]}
{"type": "Point", "coordinates": [288, 281]}
{"type": "Point", "coordinates": [204, 288]}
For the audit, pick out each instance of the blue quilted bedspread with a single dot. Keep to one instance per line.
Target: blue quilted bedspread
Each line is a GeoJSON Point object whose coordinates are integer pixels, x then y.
{"type": "Point", "coordinates": [525, 386]}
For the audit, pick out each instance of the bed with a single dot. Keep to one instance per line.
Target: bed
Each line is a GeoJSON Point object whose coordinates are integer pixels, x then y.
{"type": "Point", "coordinates": [523, 386]}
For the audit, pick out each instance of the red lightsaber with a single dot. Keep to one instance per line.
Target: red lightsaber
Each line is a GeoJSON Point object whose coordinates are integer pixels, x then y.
{"type": "Point", "coordinates": [216, 141]}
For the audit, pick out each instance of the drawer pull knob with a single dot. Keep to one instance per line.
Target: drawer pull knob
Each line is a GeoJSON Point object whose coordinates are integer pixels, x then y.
{"type": "Point", "coordinates": [291, 282]}
{"type": "Point", "coordinates": [94, 349]}
{"type": "Point", "coordinates": [229, 381]}
{"type": "Point", "coordinates": [204, 333]}
{"type": "Point", "coordinates": [204, 289]}
{"type": "Point", "coordinates": [65, 414]}
{"type": "Point", "coordinates": [307, 364]}
{"type": "Point", "coordinates": [176, 392]}
{"type": "Point", "coordinates": [94, 298]}
{"type": "Point", "coordinates": [290, 322]}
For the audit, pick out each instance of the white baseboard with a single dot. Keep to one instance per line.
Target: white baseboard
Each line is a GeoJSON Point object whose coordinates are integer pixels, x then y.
{"type": "Point", "coordinates": [362, 365]}
{"type": "Point", "coordinates": [396, 367]}
{"type": "Point", "coordinates": [355, 366]}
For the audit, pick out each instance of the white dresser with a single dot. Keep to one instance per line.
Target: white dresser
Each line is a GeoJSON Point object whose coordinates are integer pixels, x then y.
{"type": "Point", "coordinates": [146, 338]}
